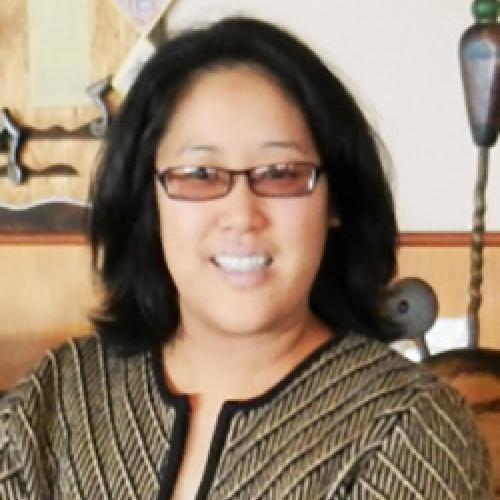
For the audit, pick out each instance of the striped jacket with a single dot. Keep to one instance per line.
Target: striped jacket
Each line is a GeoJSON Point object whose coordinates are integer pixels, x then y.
{"type": "Point", "coordinates": [353, 421]}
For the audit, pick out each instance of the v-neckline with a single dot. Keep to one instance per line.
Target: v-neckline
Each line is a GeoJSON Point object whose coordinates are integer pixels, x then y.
{"type": "Point", "coordinates": [180, 404]}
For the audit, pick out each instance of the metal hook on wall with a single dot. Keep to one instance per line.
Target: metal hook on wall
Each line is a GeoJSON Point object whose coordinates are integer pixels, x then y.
{"type": "Point", "coordinates": [7, 127]}
{"type": "Point", "coordinates": [96, 91]}
{"type": "Point", "coordinates": [15, 136]}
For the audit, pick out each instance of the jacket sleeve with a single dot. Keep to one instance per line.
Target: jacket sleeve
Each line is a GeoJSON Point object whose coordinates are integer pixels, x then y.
{"type": "Point", "coordinates": [433, 453]}
{"type": "Point", "coordinates": [22, 475]}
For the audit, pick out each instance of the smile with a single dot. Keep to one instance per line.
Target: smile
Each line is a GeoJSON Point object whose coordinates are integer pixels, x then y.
{"type": "Point", "coordinates": [242, 263]}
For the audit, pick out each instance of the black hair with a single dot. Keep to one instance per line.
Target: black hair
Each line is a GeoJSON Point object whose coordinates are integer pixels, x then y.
{"type": "Point", "coordinates": [141, 304]}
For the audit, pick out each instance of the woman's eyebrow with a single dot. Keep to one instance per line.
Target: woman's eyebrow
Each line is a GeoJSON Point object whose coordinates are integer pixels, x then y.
{"type": "Point", "coordinates": [282, 145]}
{"type": "Point", "coordinates": [200, 147]}
{"type": "Point", "coordinates": [212, 148]}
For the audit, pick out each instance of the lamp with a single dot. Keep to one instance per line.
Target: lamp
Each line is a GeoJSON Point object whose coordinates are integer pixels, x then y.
{"type": "Point", "coordinates": [480, 65]}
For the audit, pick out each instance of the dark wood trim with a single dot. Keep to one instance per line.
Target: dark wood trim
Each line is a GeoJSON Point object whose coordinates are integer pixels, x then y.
{"type": "Point", "coordinates": [42, 239]}
{"type": "Point", "coordinates": [406, 239]}
{"type": "Point", "coordinates": [445, 239]}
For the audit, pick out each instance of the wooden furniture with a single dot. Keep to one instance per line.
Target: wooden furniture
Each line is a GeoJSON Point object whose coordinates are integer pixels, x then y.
{"type": "Point", "coordinates": [476, 375]}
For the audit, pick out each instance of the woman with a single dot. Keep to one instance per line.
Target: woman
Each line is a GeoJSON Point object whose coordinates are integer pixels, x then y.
{"type": "Point", "coordinates": [244, 231]}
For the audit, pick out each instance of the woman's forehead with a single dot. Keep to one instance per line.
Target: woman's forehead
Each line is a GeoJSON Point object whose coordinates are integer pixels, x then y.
{"type": "Point", "coordinates": [235, 106]}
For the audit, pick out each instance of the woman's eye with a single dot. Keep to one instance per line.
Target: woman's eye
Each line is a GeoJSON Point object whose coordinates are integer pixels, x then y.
{"type": "Point", "coordinates": [200, 173]}
{"type": "Point", "coordinates": [280, 171]}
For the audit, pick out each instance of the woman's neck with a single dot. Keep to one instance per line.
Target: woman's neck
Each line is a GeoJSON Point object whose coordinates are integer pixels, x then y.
{"type": "Point", "coordinates": [214, 367]}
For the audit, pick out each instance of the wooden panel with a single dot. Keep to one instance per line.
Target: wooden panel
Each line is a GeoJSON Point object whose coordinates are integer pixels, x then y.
{"type": "Point", "coordinates": [490, 317]}
{"type": "Point", "coordinates": [45, 295]}
{"type": "Point", "coordinates": [447, 270]}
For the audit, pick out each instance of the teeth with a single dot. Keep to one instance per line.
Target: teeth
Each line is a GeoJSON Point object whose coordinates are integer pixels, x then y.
{"type": "Point", "coordinates": [242, 263]}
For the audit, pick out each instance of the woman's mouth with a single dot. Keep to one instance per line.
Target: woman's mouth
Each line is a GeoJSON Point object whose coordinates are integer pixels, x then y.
{"type": "Point", "coordinates": [242, 263]}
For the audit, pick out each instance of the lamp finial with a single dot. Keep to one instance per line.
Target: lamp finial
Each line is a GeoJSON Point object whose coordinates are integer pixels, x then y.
{"type": "Point", "coordinates": [486, 11]}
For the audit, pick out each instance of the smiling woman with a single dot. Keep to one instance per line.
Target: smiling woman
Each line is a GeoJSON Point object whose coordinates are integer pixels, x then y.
{"type": "Point", "coordinates": [244, 231]}
{"type": "Point", "coordinates": [267, 240]}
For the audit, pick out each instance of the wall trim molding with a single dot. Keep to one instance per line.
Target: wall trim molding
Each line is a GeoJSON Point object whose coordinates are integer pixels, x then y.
{"type": "Point", "coordinates": [406, 239]}
{"type": "Point", "coordinates": [42, 239]}
{"type": "Point", "coordinates": [445, 239]}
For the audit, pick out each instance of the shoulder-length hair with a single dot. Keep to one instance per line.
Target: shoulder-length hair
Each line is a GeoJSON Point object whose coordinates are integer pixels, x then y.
{"type": "Point", "coordinates": [141, 304]}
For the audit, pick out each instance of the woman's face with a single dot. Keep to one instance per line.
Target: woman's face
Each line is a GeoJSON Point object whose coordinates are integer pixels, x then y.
{"type": "Point", "coordinates": [241, 263]}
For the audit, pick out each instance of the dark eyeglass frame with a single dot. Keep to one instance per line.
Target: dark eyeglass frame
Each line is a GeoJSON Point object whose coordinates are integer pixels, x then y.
{"type": "Point", "coordinates": [249, 173]}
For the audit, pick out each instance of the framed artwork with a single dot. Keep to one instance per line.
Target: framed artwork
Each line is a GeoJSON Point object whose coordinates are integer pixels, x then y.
{"type": "Point", "coordinates": [55, 101]}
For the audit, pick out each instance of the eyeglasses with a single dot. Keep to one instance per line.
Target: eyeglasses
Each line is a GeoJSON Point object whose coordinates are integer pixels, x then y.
{"type": "Point", "coordinates": [275, 180]}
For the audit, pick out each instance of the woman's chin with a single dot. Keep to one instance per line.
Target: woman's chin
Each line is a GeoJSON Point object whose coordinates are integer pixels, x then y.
{"type": "Point", "coordinates": [247, 321]}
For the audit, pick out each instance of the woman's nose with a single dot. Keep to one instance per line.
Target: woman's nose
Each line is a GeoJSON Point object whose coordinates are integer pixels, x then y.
{"type": "Point", "coordinates": [241, 209]}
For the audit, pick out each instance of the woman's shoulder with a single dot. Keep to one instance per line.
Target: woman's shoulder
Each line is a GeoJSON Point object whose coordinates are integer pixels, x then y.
{"type": "Point", "coordinates": [27, 415]}
{"type": "Point", "coordinates": [37, 393]}
{"type": "Point", "coordinates": [369, 370]}
{"type": "Point", "coordinates": [357, 378]}
{"type": "Point", "coordinates": [80, 390]}
{"type": "Point", "coordinates": [57, 363]}
{"type": "Point", "coordinates": [72, 371]}
{"type": "Point", "coordinates": [418, 426]}
{"type": "Point", "coordinates": [363, 362]}
{"type": "Point", "coordinates": [72, 367]}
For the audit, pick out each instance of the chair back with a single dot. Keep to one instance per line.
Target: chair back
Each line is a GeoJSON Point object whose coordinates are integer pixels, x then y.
{"type": "Point", "coordinates": [475, 373]}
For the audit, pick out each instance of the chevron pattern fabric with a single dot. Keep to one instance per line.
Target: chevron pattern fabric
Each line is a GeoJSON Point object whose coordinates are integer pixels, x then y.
{"type": "Point", "coordinates": [353, 421]}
